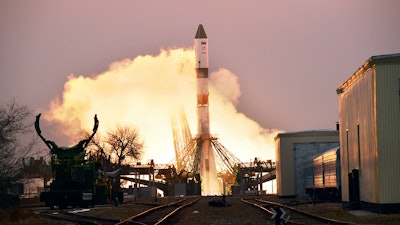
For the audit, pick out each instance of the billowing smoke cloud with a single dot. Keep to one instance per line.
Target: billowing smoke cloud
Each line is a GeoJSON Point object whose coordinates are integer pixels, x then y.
{"type": "Point", "coordinates": [143, 92]}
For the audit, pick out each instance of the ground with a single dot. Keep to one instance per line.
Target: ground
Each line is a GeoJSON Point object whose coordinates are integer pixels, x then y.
{"type": "Point", "coordinates": [202, 213]}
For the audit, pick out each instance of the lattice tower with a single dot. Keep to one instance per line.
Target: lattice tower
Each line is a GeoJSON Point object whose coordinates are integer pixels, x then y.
{"type": "Point", "coordinates": [188, 148]}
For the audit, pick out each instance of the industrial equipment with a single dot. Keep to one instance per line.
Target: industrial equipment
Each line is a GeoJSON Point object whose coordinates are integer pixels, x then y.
{"type": "Point", "coordinates": [76, 181]}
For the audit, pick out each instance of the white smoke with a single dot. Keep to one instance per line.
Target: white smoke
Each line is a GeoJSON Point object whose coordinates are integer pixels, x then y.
{"type": "Point", "coordinates": [144, 91]}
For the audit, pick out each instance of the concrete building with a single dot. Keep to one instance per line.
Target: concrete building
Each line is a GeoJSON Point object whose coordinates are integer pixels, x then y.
{"type": "Point", "coordinates": [369, 118]}
{"type": "Point", "coordinates": [293, 150]}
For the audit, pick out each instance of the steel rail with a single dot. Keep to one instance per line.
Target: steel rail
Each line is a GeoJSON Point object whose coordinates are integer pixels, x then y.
{"type": "Point", "coordinates": [176, 210]}
{"type": "Point", "coordinates": [68, 219]}
{"type": "Point", "coordinates": [257, 205]}
{"type": "Point", "coordinates": [308, 214]}
{"type": "Point", "coordinates": [130, 220]}
{"type": "Point", "coordinates": [97, 220]}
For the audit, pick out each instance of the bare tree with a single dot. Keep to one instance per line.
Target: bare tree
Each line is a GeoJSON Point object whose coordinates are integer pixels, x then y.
{"type": "Point", "coordinates": [124, 142]}
{"type": "Point", "coordinates": [13, 128]}
{"type": "Point", "coordinates": [115, 149]}
{"type": "Point", "coordinates": [98, 149]}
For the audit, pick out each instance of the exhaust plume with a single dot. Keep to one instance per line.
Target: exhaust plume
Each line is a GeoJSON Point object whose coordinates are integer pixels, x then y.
{"type": "Point", "coordinates": [142, 92]}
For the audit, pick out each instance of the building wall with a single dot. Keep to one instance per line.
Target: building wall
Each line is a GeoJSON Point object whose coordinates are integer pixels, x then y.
{"type": "Point", "coordinates": [292, 146]}
{"type": "Point", "coordinates": [283, 186]}
{"type": "Point", "coordinates": [278, 165]}
{"type": "Point", "coordinates": [357, 135]}
{"type": "Point", "coordinates": [369, 117]}
{"type": "Point", "coordinates": [388, 131]}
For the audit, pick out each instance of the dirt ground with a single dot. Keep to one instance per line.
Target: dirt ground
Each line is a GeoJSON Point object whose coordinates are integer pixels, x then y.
{"type": "Point", "coordinates": [202, 213]}
{"type": "Point", "coordinates": [335, 211]}
{"type": "Point", "coordinates": [240, 213]}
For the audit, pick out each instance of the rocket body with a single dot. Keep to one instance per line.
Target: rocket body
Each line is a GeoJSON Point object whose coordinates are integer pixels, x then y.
{"type": "Point", "coordinates": [201, 51]}
{"type": "Point", "coordinates": [208, 171]}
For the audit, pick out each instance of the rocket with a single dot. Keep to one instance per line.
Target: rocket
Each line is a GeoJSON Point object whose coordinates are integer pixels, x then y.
{"type": "Point", "coordinates": [208, 171]}
{"type": "Point", "coordinates": [201, 51]}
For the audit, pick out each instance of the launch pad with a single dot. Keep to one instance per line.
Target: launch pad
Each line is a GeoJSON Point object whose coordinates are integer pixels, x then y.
{"type": "Point", "coordinates": [198, 155]}
{"type": "Point", "coordinates": [202, 163]}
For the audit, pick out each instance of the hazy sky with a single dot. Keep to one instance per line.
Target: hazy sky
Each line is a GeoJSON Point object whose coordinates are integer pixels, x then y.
{"type": "Point", "coordinates": [288, 56]}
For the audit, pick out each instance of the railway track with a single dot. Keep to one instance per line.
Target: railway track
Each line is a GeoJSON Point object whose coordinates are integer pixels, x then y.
{"type": "Point", "coordinates": [291, 215]}
{"type": "Point", "coordinates": [159, 214]}
{"type": "Point", "coordinates": [194, 210]}
{"type": "Point", "coordinates": [78, 219]}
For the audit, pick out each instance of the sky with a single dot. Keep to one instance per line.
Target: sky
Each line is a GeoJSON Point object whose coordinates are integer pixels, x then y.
{"type": "Point", "coordinates": [274, 65]}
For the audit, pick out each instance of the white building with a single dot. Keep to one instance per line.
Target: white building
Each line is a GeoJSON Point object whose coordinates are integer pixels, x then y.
{"type": "Point", "coordinates": [369, 118]}
{"type": "Point", "coordinates": [293, 150]}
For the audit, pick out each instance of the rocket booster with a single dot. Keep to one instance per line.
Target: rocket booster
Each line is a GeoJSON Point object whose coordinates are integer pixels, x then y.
{"type": "Point", "coordinates": [201, 51]}
{"type": "Point", "coordinates": [208, 171]}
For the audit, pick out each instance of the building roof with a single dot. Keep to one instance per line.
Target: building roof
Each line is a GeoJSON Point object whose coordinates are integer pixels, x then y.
{"type": "Point", "coordinates": [307, 133]}
{"type": "Point", "coordinates": [378, 59]}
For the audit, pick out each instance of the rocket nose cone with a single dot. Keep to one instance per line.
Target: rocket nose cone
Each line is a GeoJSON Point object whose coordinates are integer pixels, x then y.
{"type": "Point", "coordinates": [201, 33]}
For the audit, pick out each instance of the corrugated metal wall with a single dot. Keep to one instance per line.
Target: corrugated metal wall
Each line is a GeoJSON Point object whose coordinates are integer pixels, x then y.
{"type": "Point", "coordinates": [369, 117]}
{"type": "Point", "coordinates": [388, 130]}
{"type": "Point", "coordinates": [356, 118]}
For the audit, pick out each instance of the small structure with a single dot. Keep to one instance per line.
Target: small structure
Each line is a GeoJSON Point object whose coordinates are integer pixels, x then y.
{"type": "Point", "coordinates": [35, 175]}
{"type": "Point", "coordinates": [369, 118]}
{"type": "Point", "coordinates": [250, 177]}
{"type": "Point", "coordinates": [136, 174]}
{"type": "Point", "coordinates": [322, 176]}
{"type": "Point", "coordinates": [293, 150]}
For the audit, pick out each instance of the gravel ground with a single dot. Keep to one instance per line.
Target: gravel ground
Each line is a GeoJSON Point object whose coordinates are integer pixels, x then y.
{"type": "Point", "coordinates": [202, 213]}
{"type": "Point", "coordinates": [237, 213]}
{"type": "Point", "coordinates": [335, 211]}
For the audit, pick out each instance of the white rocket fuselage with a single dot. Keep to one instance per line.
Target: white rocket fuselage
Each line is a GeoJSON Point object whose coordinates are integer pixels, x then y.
{"type": "Point", "coordinates": [208, 172]}
{"type": "Point", "coordinates": [201, 51]}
